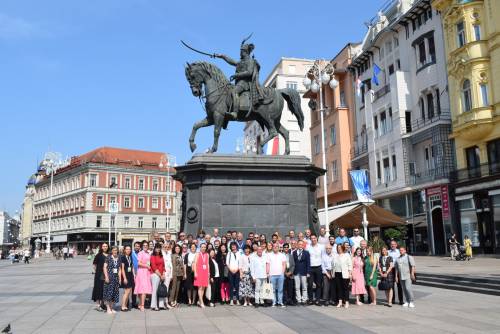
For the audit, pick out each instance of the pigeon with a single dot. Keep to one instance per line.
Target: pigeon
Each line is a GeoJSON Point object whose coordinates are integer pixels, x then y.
{"type": "Point", "coordinates": [6, 329]}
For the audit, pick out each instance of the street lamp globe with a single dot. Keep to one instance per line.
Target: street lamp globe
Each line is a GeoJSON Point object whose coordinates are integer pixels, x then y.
{"type": "Point", "coordinates": [314, 87]}
{"type": "Point", "coordinates": [325, 77]}
{"type": "Point", "coordinates": [307, 82]}
{"type": "Point", "coordinates": [334, 83]}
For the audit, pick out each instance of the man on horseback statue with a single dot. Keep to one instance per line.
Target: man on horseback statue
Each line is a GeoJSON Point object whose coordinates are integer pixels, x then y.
{"type": "Point", "coordinates": [246, 79]}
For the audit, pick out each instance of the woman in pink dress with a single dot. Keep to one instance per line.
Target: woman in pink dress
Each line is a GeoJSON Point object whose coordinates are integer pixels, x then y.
{"type": "Point", "coordinates": [201, 273]}
{"type": "Point", "coordinates": [358, 277]}
{"type": "Point", "coordinates": [143, 277]}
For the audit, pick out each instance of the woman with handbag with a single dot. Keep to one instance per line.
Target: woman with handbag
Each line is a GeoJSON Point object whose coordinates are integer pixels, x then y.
{"type": "Point", "coordinates": [233, 264]}
{"type": "Point", "coordinates": [98, 265]}
{"type": "Point", "coordinates": [112, 280]}
{"type": "Point", "coordinates": [201, 273]}
{"type": "Point", "coordinates": [343, 275]}
{"type": "Point", "coordinates": [127, 271]}
{"type": "Point", "coordinates": [177, 275]}
{"type": "Point", "coordinates": [157, 277]}
{"type": "Point", "coordinates": [386, 272]}
{"type": "Point", "coordinates": [224, 273]}
{"type": "Point", "coordinates": [371, 275]}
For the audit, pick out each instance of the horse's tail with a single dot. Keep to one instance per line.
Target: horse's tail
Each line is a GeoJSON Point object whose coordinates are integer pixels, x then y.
{"type": "Point", "coordinates": [292, 99]}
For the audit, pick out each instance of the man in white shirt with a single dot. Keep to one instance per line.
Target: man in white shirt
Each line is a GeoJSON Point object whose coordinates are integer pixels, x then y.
{"type": "Point", "coordinates": [323, 237]}
{"type": "Point", "coordinates": [276, 269]}
{"type": "Point", "coordinates": [215, 236]}
{"type": "Point", "coordinates": [259, 273]}
{"type": "Point", "coordinates": [327, 264]}
{"type": "Point", "coordinates": [356, 239]}
{"type": "Point", "coordinates": [316, 251]}
{"type": "Point", "coordinates": [65, 252]}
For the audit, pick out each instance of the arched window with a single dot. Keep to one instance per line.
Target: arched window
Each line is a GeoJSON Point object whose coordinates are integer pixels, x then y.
{"type": "Point", "coordinates": [466, 95]}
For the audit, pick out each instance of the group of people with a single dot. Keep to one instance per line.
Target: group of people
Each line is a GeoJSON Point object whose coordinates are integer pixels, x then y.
{"type": "Point", "coordinates": [298, 269]}
{"type": "Point", "coordinates": [456, 248]}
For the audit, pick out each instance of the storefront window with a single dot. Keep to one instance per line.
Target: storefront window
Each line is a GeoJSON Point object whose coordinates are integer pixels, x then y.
{"type": "Point", "coordinates": [496, 217]}
{"type": "Point", "coordinates": [468, 221]}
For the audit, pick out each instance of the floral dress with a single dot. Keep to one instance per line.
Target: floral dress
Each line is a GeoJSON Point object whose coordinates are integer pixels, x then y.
{"type": "Point", "coordinates": [246, 288]}
{"type": "Point", "coordinates": [111, 292]}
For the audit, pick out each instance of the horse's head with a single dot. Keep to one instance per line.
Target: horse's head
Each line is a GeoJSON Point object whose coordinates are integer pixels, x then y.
{"type": "Point", "coordinates": [195, 78]}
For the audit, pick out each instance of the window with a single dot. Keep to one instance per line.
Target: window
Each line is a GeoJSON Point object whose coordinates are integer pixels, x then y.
{"type": "Point", "coordinates": [387, 170]}
{"type": "Point", "coordinates": [379, 174]}
{"type": "Point", "coordinates": [494, 155]}
{"type": "Point", "coordinates": [375, 126]}
{"type": "Point", "coordinates": [484, 94]}
{"type": "Point", "coordinates": [140, 222]}
{"type": "Point", "coordinates": [167, 223]}
{"type": "Point", "coordinates": [93, 180]}
{"type": "Point", "coordinates": [98, 221]}
{"type": "Point", "coordinates": [127, 183]}
{"type": "Point", "coordinates": [99, 201]}
{"type": "Point", "coordinates": [316, 145]}
{"type": "Point", "coordinates": [140, 203]}
{"type": "Point", "coordinates": [422, 108]}
{"type": "Point", "coordinates": [112, 199]}
{"type": "Point", "coordinates": [466, 96]}
{"type": "Point", "coordinates": [421, 52]}
{"type": "Point", "coordinates": [342, 99]}
{"type": "Point", "coordinates": [396, 42]}
{"type": "Point", "coordinates": [477, 32]}
{"type": "Point", "coordinates": [388, 46]}
{"type": "Point", "coordinates": [430, 106]}
{"type": "Point", "coordinates": [154, 202]}
{"type": "Point", "coordinates": [126, 221]}
{"type": "Point", "coordinates": [383, 123]}
{"type": "Point", "coordinates": [155, 185]}
{"type": "Point", "coordinates": [438, 101]}
{"type": "Point", "coordinates": [141, 184]}
{"type": "Point", "coordinates": [398, 64]}
{"type": "Point", "coordinates": [333, 139]}
{"type": "Point", "coordinates": [394, 168]}
{"type": "Point", "coordinates": [335, 171]}
{"type": "Point", "coordinates": [460, 34]}
{"type": "Point", "coordinates": [113, 183]}
{"type": "Point", "coordinates": [112, 221]}
{"type": "Point", "coordinates": [391, 69]}
{"type": "Point", "coordinates": [432, 48]}
{"type": "Point", "coordinates": [154, 222]}
{"type": "Point", "coordinates": [291, 85]}
{"type": "Point", "coordinates": [473, 161]}
{"type": "Point", "coordinates": [389, 120]}
{"type": "Point", "coordinates": [167, 203]}
{"type": "Point", "coordinates": [126, 202]}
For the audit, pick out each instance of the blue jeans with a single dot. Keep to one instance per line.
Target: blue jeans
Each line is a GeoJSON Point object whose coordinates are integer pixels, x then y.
{"type": "Point", "coordinates": [277, 282]}
{"type": "Point", "coordinates": [234, 285]}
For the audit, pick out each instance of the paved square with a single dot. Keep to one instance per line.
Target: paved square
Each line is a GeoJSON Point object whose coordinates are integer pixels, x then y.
{"type": "Point", "coordinates": [53, 297]}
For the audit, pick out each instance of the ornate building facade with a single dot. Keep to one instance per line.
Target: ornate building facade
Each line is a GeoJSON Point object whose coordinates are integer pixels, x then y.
{"type": "Point", "coordinates": [472, 40]}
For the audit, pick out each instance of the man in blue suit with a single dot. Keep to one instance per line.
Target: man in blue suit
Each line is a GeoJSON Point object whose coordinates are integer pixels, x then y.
{"type": "Point", "coordinates": [302, 261]}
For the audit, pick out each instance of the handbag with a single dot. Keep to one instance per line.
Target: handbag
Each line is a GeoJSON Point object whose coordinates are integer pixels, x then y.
{"type": "Point", "coordinates": [382, 285]}
{"type": "Point", "coordinates": [266, 291]}
{"type": "Point", "coordinates": [162, 291]}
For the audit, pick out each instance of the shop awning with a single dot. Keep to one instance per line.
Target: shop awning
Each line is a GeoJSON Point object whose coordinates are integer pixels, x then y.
{"type": "Point", "coordinates": [350, 216]}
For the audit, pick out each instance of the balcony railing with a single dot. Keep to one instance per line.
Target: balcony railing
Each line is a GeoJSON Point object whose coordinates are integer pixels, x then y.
{"type": "Point", "coordinates": [381, 92]}
{"type": "Point", "coordinates": [429, 175]}
{"type": "Point", "coordinates": [421, 122]}
{"type": "Point", "coordinates": [358, 150]}
{"type": "Point", "coordinates": [480, 171]}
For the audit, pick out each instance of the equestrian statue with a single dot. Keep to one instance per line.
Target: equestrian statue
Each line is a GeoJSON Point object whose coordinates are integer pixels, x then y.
{"type": "Point", "coordinates": [244, 101]}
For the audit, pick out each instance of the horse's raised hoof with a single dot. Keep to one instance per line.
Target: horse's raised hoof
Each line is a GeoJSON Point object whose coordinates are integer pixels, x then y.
{"type": "Point", "coordinates": [192, 146]}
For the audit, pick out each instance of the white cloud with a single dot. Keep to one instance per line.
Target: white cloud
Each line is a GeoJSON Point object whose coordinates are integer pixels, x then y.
{"type": "Point", "coordinates": [17, 28]}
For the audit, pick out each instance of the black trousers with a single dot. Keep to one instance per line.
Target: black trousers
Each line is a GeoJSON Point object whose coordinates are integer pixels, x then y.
{"type": "Point", "coordinates": [289, 290]}
{"type": "Point", "coordinates": [215, 290]}
{"type": "Point", "coordinates": [400, 294]}
{"type": "Point", "coordinates": [329, 290]}
{"type": "Point", "coordinates": [134, 296]}
{"type": "Point", "coordinates": [316, 277]}
{"type": "Point", "coordinates": [342, 287]}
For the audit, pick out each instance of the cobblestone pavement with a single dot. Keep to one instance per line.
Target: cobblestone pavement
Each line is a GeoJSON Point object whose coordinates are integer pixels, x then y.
{"type": "Point", "coordinates": [50, 296]}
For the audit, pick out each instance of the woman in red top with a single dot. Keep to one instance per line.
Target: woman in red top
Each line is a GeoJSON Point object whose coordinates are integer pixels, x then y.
{"type": "Point", "coordinates": [157, 277]}
{"type": "Point", "coordinates": [201, 273]}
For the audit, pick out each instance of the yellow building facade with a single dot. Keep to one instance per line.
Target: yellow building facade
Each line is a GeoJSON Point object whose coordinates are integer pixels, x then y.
{"type": "Point", "coordinates": [472, 41]}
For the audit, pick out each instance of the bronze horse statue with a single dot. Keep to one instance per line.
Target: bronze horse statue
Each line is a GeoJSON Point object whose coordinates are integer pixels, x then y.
{"type": "Point", "coordinates": [209, 82]}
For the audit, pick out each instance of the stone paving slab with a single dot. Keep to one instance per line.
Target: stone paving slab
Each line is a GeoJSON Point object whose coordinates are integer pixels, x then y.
{"type": "Point", "coordinates": [58, 301]}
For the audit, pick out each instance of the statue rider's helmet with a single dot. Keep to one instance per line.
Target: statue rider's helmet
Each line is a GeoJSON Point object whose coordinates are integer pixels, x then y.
{"type": "Point", "coordinates": [248, 48]}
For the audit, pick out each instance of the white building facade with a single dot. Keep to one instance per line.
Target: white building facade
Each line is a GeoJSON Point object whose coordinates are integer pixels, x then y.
{"type": "Point", "coordinates": [288, 73]}
{"type": "Point", "coordinates": [403, 123]}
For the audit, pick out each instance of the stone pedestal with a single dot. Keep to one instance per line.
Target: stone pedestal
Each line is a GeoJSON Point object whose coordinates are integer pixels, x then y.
{"type": "Point", "coordinates": [246, 193]}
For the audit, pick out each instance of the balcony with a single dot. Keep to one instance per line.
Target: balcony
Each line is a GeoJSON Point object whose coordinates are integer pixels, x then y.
{"type": "Point", "coordinates": [358, 150]}
{"type": "Point", "coordinates": [420, 123]}
{"type": "Point", "coordinates": [468, 174]}
{"type": "Point", "coordinates": [474, 124]}
{"type": "Point", "coordinates": [381, 92]}
{"type": "Point", "coordinates": [429, 175]}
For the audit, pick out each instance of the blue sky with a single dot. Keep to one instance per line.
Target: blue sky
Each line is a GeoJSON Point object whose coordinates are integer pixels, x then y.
{"type": "Point", "coordinates": [77, 75]}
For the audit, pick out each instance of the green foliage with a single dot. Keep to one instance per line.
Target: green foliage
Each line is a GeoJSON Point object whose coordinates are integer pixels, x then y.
{"type": "Point", "coordinates": [377, 244]}
{"type": "Point", "coordinates": [397, 233]}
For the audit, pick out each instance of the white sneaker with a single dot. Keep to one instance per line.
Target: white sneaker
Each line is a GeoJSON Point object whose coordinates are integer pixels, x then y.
{"type": "Point", "coordinates": [274, 305]}
{"type": "Point", "coordinates": [405, 305]}
{"type": "Point", "coordinates": [412, 305]}
{"type": "Point", "coordinates": [231, 303]}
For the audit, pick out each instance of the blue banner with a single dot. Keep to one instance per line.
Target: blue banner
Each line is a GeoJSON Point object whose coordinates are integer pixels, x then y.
{"type": "Point", "coordinates": [361, 184]}
{"type": "Point", "coordinates": [376, 72]}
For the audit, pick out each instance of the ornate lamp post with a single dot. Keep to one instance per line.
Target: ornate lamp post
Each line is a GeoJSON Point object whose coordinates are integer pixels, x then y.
{"type": "Point", "coordinates": [322, 73]}
{"type": "Point", "coordinates": [50, 164]}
